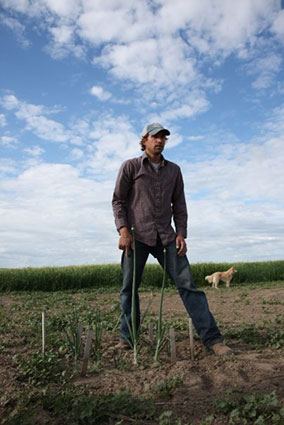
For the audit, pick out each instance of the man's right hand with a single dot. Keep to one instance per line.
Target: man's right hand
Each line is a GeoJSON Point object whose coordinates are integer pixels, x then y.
{"type": "Point", "coordinates": [125, 241]}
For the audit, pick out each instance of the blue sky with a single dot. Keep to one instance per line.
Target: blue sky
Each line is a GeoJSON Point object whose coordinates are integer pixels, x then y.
{"type": "Point", "coordinates": [81, 78]}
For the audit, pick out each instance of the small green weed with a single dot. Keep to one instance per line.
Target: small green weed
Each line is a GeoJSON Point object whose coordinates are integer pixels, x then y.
{"type": "Point", "coordinates": [166, 387]}
{"type": "Point", "coordinates": [166, 419]}
{"type": "Point", "coordinates": [272, 301]}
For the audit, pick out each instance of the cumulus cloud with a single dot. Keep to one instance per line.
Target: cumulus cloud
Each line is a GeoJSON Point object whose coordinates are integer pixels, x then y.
{"type": "Point", "coordinates": [53, 216]}
{"type": "Point", "coordinates": [68, 217]}
{"type": "Point", "coordinates": [37, 121]}
{"type": "Point", "coordinates": [113, 140]}
{"type": "Point", "coordinates": [100, 93]}
{"type": "Point", "coordinates": [9, 102]}
{"type": "Point", "coordinates": [235, 202]}
{"type": "Point", "coordinates": [154, 45]}
{"type": "Point", "coordinates": [245, 171]}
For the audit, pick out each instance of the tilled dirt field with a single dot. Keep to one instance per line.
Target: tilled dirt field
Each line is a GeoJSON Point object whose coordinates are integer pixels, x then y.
{"type": "Point", "coordinates": [255, 368]}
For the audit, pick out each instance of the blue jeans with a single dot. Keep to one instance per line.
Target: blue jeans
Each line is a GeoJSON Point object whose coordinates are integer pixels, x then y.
{"type": "Point", "coordinates": [178, 269]}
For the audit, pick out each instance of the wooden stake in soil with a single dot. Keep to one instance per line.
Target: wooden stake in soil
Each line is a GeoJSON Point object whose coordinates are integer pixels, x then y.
{"type": "Point", "coordinates": [151, 332]}
{"type": "Point", "coordinates": [87, 352]}
{"type": "Point", "coordinates": [191, 338]}
{"type": "Point", "coordinates": [43, 332]}
{"type": "Point", "coordinates": [80, 331]}
{"type": "Point", "coordinates": [173, 346]}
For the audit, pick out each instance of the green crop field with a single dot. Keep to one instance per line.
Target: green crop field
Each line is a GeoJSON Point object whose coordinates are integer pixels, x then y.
{"type": "Point", "coordinates": [109, 275]}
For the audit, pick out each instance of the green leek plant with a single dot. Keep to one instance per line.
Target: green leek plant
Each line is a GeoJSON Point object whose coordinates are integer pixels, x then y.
{"type": "Point", "coordinates": [74, 341]}
{"type": "Point", "coordinates": [161, 328]}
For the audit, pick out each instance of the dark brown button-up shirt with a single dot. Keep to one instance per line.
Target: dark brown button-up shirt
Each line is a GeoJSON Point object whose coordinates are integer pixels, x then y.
{"type": "Point", "coordinates": [148, 200]}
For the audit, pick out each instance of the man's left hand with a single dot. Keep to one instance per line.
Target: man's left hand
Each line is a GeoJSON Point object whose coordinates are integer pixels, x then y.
{"type": "Point", "coordinates": [181, 245]}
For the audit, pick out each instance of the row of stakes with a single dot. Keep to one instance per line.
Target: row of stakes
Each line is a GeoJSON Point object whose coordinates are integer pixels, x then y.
{"type": "Point", "coordinates": [90, 334]}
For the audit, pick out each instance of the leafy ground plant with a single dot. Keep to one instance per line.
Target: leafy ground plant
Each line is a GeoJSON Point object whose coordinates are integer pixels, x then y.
{"type": "Point", "coordinates": [80, 406]}
{"type": "Point", "coordinates": [250, 334]}
{"type": "Point", "coordinates": [38, 370]}
{"type": "Point", "coordinates": [255, 409]}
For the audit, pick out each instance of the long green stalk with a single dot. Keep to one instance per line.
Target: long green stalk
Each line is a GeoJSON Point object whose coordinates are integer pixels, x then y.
{"type": "Point", "coordinates": [160, 338]}
{"type": "Point", "coordinates": [133, 301]}
{"type": "Point", "coordinates": [134, 338]}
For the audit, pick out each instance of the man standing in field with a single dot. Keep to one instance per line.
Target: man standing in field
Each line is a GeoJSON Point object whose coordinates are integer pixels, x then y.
{"type": "Point", "coordinates": [149, 192]}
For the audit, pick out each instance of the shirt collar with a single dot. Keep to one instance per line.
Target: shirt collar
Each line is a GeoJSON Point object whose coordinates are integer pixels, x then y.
{"type": "Point", "coordinates": [145, 156]}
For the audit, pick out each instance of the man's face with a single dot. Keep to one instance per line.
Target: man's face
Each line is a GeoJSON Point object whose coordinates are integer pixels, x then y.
{"type": "Point", "coordinates": [154, 145]}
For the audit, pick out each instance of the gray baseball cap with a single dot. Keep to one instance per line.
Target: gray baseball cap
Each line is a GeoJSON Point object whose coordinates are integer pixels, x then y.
{"type": "Point", "coordinates": [154, 129]}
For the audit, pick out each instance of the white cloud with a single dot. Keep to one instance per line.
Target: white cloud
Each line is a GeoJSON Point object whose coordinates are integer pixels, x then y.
{"type": "Point", "coordinates": [278, 25]}
{"type": "Point", "coordinates": [195, 105]}
{"type": "Point", "coordinates": [100, 93]}
{"type": "Point", "coordinates": [34, 151]}
{"type": "Point", "coordinates": [233, 231]}
{"type": "Point", "coordinates": [8, 141]}
{"type": "Point", "coordinates": [275, 123]}
{"type": "Point", "coordinates": [63, 43]}
{"type": "Point", "coordinates": [195, 138]}
{"type": "Point", "coordinates": [265, 69]}
{"type": "Point", "coordinates": [62, 34]}
{"type": "Point", "coordinates": [7, 167]}
{"type": "Point", "coordinates": [35, 119]}
{"type": "Point", "coordinates": [155, 45]}
{"type": "Point", "coordinates": [9, 102]}
{"type": "Point", "coordinates": [235, 205]}
{"type": "Point", "coordinates": [50, 215]}
{"type": "Point", "coordinates": [166, 61]}
{"type": "Point", "coordinates": [76, 154]}
{"type": "Point", "coordinates": [251, 172]}
{"type": "Point", "coordinates": [63, 8]}
{"type": "Point", "coordinates": [114, 141]}
{"type": "Point", "coordinates": [17, 28]}
{"type": "Point", "coordinates": [3, 121]}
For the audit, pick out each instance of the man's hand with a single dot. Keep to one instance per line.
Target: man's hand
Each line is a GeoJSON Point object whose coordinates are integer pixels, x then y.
{"type": "Point", "coordinates": [125, 241]}
{"type": "Point", "coordinates": [181, 245]}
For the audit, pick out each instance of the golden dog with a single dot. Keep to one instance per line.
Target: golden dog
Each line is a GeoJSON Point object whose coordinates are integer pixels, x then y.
{"type": "Point", "coordinates": [226, 277]}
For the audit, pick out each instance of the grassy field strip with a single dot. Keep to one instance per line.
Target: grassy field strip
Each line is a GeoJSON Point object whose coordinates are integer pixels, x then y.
{"type": "Point", "coordinates": [109, 275]}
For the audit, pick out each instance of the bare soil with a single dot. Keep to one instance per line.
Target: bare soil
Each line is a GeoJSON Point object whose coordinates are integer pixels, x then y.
{"type": "Point", "coordinates": [205, 377]}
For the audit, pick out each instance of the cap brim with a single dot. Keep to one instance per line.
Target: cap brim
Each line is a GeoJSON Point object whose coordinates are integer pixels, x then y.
{"type": "Point", "coordinates": [159, 130]}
